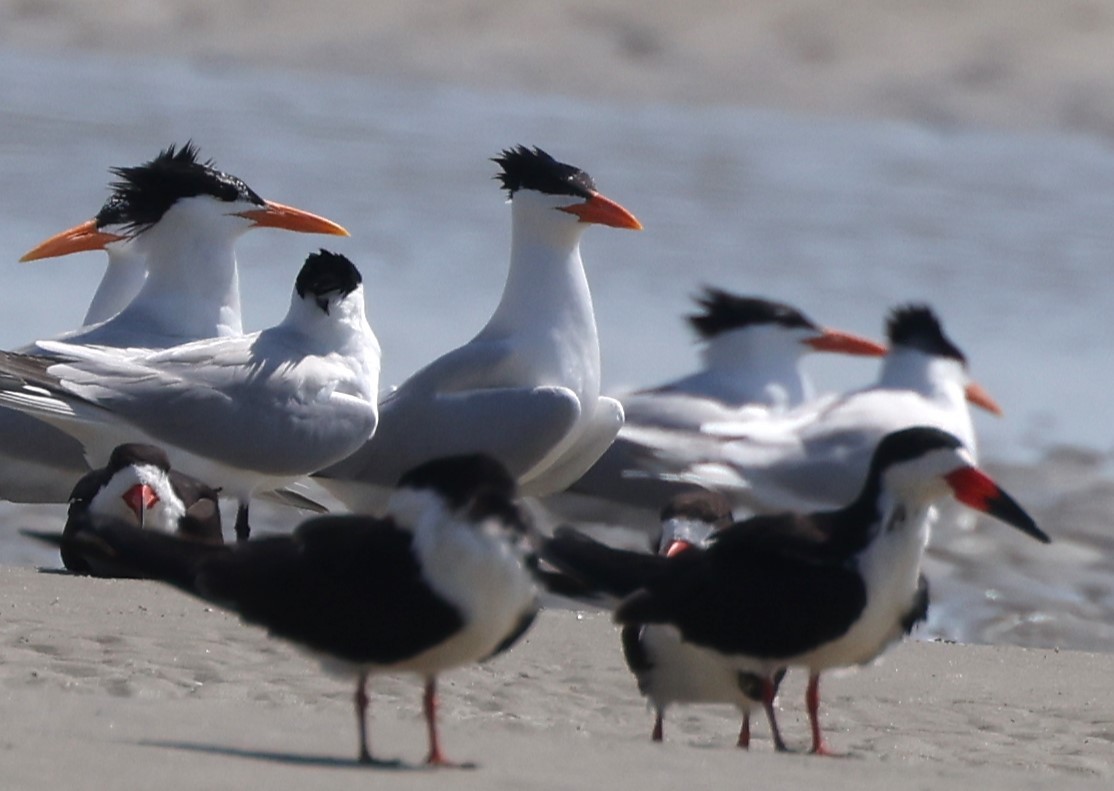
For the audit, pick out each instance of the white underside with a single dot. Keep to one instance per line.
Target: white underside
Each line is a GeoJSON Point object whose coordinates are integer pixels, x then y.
{"type": "Point", "coordinates": [686, 673]}
{"type": "Point", "coordinates": [891, 568]}
{"type": "Point", "coordinates": [476, 570]}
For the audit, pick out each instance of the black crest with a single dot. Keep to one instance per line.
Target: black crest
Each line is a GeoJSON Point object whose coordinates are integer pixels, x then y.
{"type": "Point", "coordinates": [461, 479]}
{"type": "Point", "coordinates": [144, 193]}
{"type": "Point", "coordinates": [724, 312]}
{"type": "Point", "coordinates": [326, 273]}
{"type": "Point", "coordinates": [915, 326]}
{"type": "Point", "coordinates": [113, 212]}
{"type": "Point", "coordinates": [534, 169]}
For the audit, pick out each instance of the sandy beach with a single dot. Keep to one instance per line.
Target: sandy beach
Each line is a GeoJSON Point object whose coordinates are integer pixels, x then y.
{"type": "Point", "coordinates": [132, 685]}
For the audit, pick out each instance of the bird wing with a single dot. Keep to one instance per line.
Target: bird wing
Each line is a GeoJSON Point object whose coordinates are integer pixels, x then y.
{"type": "Point", "coordinates": [346, 585]}
{"type": "Point", "coordinates": [206, 397]}
{"type": "Point", "coordinates": [768, 587]}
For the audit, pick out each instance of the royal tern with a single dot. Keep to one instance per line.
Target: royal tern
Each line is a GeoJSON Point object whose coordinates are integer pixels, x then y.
{"type": "Point", "coordinates": [817, 455]}
{"type": "Point", "coordinates": [183, 217]}
{"type": "Point", "coordinates": [139, 486]}
{"type": "Point", "coordinates": [526, 389]}
{"type": "Point", "coordinates": [751, 356]}
{"type": "Point", "coordinates": [126, 270]}
{"type": "Point", "coordinates": [442, 581]}
{"type": "Point", "coordinates": [753, 349]}
{"type": "Point", "coordinates": [821, 590]}
{"type": "Point", "coordinates": [248, 413]}
{"type": "Point", "coordinates": [179, 217]}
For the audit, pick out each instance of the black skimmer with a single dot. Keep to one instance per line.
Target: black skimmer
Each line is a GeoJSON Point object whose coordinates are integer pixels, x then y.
{"type": "Point", "coordinates": [752, 355]}
{"type": "Point", "coordinates": [443, 580]}
{"type": "Point", "coordinates": [670, 670]}
{"type": "Point", "coordinates": [249, 413]}
{"type": "Point", "coordinates": [138, 486]}
{"type": "Point", "coordinates": [526, 389]}
{"type": "Point", "coordinates": [821, 590]}
{"type": "Point", "coordinates": [177, 217]}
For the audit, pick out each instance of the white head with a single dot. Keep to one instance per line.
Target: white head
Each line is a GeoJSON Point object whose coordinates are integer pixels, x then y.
{"type": "Point", "coordinates": [137, 489]}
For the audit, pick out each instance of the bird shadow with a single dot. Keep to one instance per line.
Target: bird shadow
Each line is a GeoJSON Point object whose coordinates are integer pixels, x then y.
{"type": "Point", "coordinates": [295, 759]}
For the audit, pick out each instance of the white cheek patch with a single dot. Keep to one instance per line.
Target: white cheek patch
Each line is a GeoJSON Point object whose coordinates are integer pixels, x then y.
{"type": "Point", "coordinates": [162, 515]}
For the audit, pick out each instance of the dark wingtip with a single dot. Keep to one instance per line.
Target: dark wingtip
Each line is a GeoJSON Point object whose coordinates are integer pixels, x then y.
{"type": "Point", "coordinates": [53, 539]}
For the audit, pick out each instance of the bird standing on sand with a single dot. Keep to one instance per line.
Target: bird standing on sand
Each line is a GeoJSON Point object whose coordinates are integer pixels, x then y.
{"type": "Point", "coordinates": [670, 670]}
{"type": "Point", "coordinates": [443, 580]}
{"type": "Point", "coordinates": [821, 590]}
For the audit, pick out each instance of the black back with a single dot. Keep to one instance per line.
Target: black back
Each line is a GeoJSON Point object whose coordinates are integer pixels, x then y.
{"type": "Point", "coordinates": [349, 586]}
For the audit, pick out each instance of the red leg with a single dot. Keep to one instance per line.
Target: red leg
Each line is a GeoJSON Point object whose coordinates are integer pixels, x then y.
{"type": "Point", "coordinates": [812, 702]}
{"type": "Point", "coordinates": [769, 693]}
{"type": "Point", "coordinates": [744, 732]}
{"type": "Point", "coordinates": [429, 705]}
{"type": "Point", "coordinates": [361, 717]}
{"type": "Point", "coordinates": [656, 734]}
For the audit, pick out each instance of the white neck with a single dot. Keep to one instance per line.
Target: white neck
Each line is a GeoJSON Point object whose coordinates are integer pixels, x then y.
{"type": "Point", "coordinates": [193, 286]}
{"type": "Point", "coordinates": [939, 378]}
{"type": "Point", "coordinates": [546, 304]}
{"type": "Point", "coordinates": [122, 280]}
{"type": "Point", "coordinates": [741, 368]}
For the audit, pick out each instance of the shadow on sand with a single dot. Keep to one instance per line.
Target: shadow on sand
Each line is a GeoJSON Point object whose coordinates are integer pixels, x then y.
{"type": "Point", "coordinates": [294, 759]}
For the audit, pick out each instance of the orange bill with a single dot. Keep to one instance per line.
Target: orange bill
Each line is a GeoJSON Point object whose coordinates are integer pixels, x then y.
{"type": "Point", "coordinates": [978, 396]}
{"type": "Point", "coordinates": [846, 343]}
{"type": "Point", "coordinates": [603, 211]}
{"type": "Point", "coordinates": [73, 240]}
{"type": "Point", "coordinates": [276, 215]}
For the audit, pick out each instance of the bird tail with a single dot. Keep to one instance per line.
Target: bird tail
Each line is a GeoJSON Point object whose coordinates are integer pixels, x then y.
{"type": "Point", "coordinates": [111, 547]}
{"type": "Point", "coordinates": [597, 568]}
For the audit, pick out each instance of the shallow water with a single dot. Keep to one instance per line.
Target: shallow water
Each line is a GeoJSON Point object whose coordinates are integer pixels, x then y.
{"type": "Point", "coordinates": [1007, 235]}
